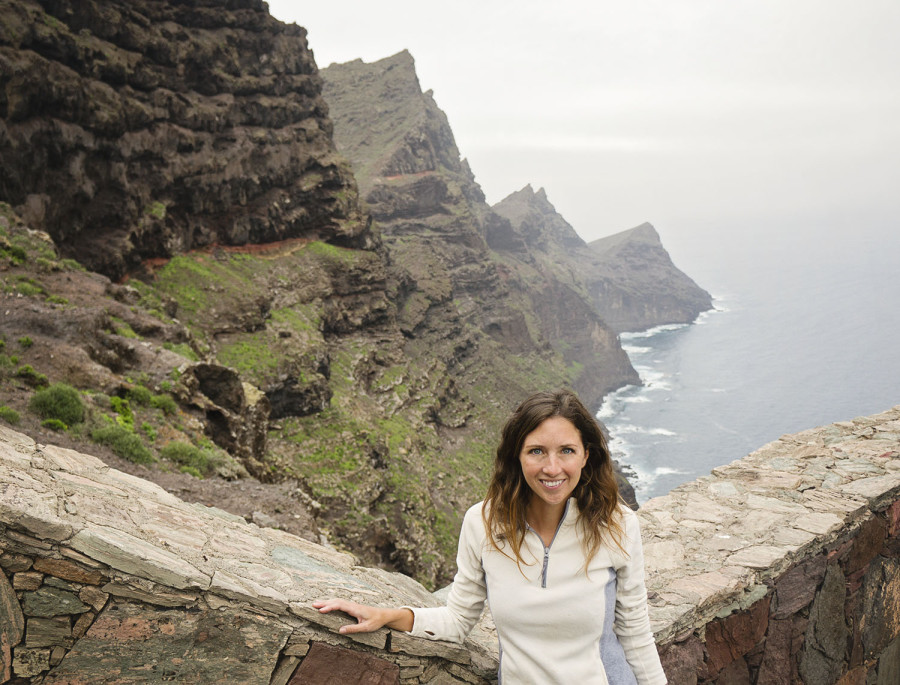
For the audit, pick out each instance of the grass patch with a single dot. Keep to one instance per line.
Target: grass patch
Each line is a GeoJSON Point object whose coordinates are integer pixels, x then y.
{"type": "Point", "coordinates": [54, 424]}
{"type": "Point", "coordinates": [164, 403]}
{"type": "Point", "coordinates": [149, 431]}
{"type": "Point", "coordinates": [200, 460]}
{"type": "Point", "coordinates": [124, 443]}
{"type": "Point", "coordinates": [183, 349]}
{"type": "Point", "coordinates": [254, 354]}
{"type": "Point", "coordinates": [123, 328]}
{"type": "Point", "coordinates": [59, 401]}
{"type": "Point", "coordinates": [10, 415]}
{"type": "Point", "coordinates": [31, 377]}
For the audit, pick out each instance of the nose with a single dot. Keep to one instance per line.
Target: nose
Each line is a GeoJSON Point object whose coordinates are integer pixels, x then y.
{"type": "Point", "coordinates": [551, 466]}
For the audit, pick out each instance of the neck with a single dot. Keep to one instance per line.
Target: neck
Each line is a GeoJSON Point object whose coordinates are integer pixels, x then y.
{"type": "Point", "coordinates": [543, 517]}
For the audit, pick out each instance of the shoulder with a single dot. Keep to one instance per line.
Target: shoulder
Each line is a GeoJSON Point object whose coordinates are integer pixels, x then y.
{"type": "Point", "coordinates": [631, 525]}
{"type": "Point", "coordinates": [473, 520]}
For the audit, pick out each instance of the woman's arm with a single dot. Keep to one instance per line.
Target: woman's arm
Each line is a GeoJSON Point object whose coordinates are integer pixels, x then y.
{"type": "Point", "coordinates": [368, 618]}
{"type": "Point", "coordinates": [632, 622]}
{"type": "Point", "coordinates": [452, 622]}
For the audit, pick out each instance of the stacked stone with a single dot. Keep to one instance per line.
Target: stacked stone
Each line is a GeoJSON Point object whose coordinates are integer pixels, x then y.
{"type": "Point", "coordinates": [780, 567]}
{"type": "Point", "coordinates": [50, 603]}
{"type": "Point", "coordinates": [783, 566]}
{"type": "Point", "coordinates": [108, 578]}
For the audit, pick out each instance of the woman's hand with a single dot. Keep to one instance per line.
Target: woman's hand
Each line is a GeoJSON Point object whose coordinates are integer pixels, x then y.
{"type": "Point", "coordinates": [368, 619]}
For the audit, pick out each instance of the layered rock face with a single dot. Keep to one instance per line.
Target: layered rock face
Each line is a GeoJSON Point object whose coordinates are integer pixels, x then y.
{"type": "Point", "coordinates": [636, 286]}
{"type": "Point", "coordinates": [132, 130]}
{"type": "Point", "coordinates": [458, 266]}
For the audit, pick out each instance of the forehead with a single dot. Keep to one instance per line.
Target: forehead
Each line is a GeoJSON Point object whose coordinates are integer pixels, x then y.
{"type": "Point", "coordinates": [555, 430]}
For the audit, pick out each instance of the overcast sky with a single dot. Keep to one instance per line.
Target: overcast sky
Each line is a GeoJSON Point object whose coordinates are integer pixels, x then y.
{"type": "Point", "coordinates": [703, 117]}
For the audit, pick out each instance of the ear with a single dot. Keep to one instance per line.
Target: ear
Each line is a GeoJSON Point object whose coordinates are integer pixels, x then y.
{"type": "Point", "coordinates": [584, 461]}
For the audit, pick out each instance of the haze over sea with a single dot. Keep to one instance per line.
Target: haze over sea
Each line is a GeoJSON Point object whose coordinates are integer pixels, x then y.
{"type": "Point", "coordinates": [805, 332]}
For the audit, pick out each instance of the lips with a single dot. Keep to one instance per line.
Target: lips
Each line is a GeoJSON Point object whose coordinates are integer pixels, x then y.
{"type": "Point", "coordinates": [552, 483]}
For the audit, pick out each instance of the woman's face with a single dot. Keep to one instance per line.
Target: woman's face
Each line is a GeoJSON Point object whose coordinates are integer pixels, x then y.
{"type": "Point", "coordinates": [552, 457]}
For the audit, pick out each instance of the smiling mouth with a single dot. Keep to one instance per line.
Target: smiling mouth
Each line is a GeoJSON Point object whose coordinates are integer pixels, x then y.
{"type": "Point", "coordinates": [552, 483]}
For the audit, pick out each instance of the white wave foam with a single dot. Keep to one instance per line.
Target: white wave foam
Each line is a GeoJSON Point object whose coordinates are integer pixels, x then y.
{"type": "Point", "coordinates": [668, 471]}
{"type": "Point", "coordinates": [631, 429]}
{"type": "Point", "coordinates": [637, 399]}
{"type": "Point", "coordinates": [650, 332]}
{"type": "Point", "coordinates": [635, 349]}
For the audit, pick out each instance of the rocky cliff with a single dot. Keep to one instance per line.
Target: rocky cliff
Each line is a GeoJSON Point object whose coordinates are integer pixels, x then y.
{"type": "Point", "coordinates": [134, 130]}
{"type": "Point", "coordinates": [457, 264]}
{"type": "Point", "coordinates": [185, 266]}
{"type": "Point", "coordinates": [628, 278]}
{"type": "Point", "coordinates": [636, 286]}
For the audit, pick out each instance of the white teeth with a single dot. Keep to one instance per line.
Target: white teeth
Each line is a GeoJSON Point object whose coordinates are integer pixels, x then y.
{"type": "Point", "coordinates": [551, 483]}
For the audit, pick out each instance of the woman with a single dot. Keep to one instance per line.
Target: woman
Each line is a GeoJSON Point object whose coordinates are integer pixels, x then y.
{"type": "Point", "coordinates": [557, 553]}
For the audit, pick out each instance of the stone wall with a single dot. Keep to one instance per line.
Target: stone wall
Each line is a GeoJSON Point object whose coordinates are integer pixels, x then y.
{"type": "Point", "coordinates": [784, 566]}
{"type": "Point", "coordinates": [107, 578]}
{"type": "Point", "coordinates": [781, 567]}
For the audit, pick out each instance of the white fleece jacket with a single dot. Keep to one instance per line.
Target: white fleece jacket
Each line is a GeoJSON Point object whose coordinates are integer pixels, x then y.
{"type": "Point", "coordinates": [552, 621]}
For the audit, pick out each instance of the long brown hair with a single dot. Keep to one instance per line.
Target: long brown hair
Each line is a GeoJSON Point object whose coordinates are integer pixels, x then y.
{"type": "Point", "coordinates": [596, 493]}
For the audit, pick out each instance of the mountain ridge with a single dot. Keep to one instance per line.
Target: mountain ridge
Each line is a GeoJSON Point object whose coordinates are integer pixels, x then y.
{"type": "Point", "coordinates": [359, 361]}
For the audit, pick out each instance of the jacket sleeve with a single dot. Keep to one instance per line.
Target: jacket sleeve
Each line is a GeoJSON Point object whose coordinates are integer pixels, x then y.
{"type": "Point", "coordinates": [467, 594]}
{"type": "Point", "coordinates": [632, 622]}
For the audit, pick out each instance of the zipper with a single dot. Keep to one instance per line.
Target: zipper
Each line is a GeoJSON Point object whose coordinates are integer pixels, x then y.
{"type": "Point", "coordinates": [547, 547]}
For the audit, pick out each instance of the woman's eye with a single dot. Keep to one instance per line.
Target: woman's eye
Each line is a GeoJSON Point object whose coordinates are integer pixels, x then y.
{"type": "Point", "coordinates": [535, 450]}
{"type": "Point", "coordinates": [568, 450]}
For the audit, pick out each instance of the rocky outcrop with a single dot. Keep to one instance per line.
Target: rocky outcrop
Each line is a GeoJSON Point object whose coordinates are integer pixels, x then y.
{"type": "Point", "coordinates": [136, 130]}
{"type": "Point", "coordinates": [636, 286]}
{"type": "Point", "coordinates": [779, 567]}
{"type": "Point", "coordinates": [628, 278]}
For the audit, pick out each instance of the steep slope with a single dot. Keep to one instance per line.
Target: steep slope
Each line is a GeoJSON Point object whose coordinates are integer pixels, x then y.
{"type": "Point", "coordinates": [460, 269]}
{"type": "Point", "coordinates": [132, 130]}
{"type": "Point", "coordinates": [637, 286]}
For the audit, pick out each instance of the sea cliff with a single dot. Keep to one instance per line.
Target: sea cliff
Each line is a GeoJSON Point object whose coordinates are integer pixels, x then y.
{"type": "Point", "coordinates": [183, 247]}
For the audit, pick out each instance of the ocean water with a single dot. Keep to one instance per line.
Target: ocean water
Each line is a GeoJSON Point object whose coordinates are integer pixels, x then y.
{"type": "Point", "coordinates": [803, 333]}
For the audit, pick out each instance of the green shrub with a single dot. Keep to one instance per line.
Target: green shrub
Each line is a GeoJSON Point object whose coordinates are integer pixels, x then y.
{"type": "Point", "coordinates": [164, 402]}
{"type": "Point", "coordinates": [204, 460]}
{"type": "Point", "coordinates": [18, 254]}
{"type": "Point", "coordinates": [124, 415]}
{"type": "Point", "coordinates": [191, 471]}
{"type": "Point", "coordinates": [72, 265]}
{"type": "Point", "coordinates": [56, 299]}
{"type": "Point", "coordinates": [124, 443]}
{"type": "Point", "coordinates": [10, 415]}
{"type": "Point", "coordinates": [54, 424]}
{"type": "Point", "coordinates": [59, 401]}
{"type": "Point", "coordinates": [26, 342]}
{"type": "Point", "coordinates": [149, 431]}
{"type": "Point", "coordinates": [139, 395]}
{"type": "Point", "coordinates": [27, 289]}
{"type": "Point", "coordinates": [31, 377]}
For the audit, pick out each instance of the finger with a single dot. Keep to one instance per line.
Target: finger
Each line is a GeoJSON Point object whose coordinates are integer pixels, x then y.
{"type": "Point", "coordinates": [324, 606]}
